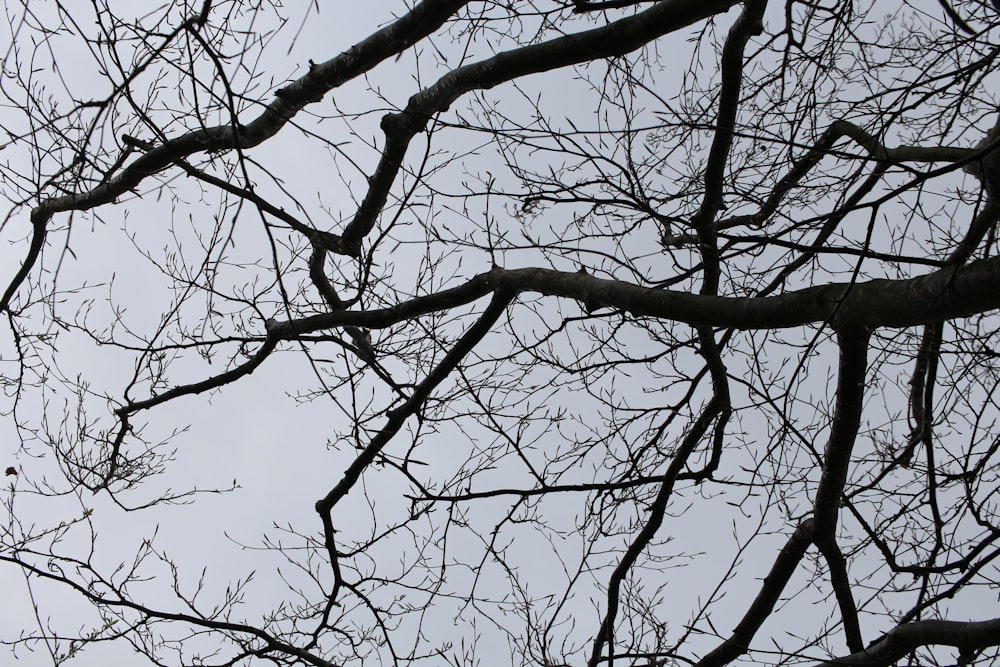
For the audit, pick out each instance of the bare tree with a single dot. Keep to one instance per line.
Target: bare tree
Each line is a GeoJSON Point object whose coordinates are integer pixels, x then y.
{"type": "Point", "coordinates": [647, 332]}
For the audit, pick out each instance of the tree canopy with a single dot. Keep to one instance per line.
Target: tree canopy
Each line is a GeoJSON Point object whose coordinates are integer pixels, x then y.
{"type": "Point", "coordinates": [595, 332]}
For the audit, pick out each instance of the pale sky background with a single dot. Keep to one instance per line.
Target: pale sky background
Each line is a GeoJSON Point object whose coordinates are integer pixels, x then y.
{"type": "Point", "coordinates": [254, 432]}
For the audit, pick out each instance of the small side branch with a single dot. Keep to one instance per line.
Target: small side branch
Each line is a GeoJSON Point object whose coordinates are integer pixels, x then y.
{"type": "Point", "coordinates": [214, 382]}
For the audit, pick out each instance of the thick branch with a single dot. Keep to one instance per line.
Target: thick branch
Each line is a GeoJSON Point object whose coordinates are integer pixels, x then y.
{"type": "Point", "coordinates": [38, 231]}
{"type": "Point", "coordinates": [618, 38]}
{"type": "Point", "coordinates": [949, 293]}
{"type": "Point", "coordinates": [836, 465]}
{"type": "Point", "coordinates": [422, 20]}
{"type": "Point", "coordinates": [843, 432]}
{"type": "Point", "coordinates": [964, 635]}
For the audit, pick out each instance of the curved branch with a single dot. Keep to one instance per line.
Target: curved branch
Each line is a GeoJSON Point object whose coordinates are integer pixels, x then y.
{"type": "Point", "coordinates": [747, 25]}
{"type": "Point", "coordinates": [38, 233]}
{"type": "Point", "coordinates": [615, 39]}
{"type": "Point", "coordinates": [362, 57]}
{"type": "Point", "coordinates": [208, 384]}
{"type": "Point", "coordinates": [933, 297]}
{"type": "Point", "coordinates": [964, 635]}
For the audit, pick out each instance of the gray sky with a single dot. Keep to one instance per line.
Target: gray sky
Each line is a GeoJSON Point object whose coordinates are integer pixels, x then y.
{"type": "Point", "coordinates": [282, 454]}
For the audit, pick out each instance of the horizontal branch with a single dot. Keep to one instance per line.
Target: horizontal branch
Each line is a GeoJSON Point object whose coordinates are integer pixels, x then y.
{"type": "Point", "coordinates": [934, 297]}
{"type": "Point", "coordinates": [964, 635]}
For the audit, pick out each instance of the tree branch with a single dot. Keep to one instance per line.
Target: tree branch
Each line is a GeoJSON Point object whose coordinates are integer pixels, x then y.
{"type": "Point", "coordinates": [760, 609]}
{"type": "Point", "coordinates": [964, 635]}
{"type": "Point", "coordinates": [419, 22]}
{"type": "Point", "coordinates": [618, 38]}
{"type": "Point", "coordinates": [398, 416]}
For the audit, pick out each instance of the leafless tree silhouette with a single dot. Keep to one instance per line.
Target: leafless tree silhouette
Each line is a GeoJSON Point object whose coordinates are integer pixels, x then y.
{"type": "Point", "coordinates": [649, 332]}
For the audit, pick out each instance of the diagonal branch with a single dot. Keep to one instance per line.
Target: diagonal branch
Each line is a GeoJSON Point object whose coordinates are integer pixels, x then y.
{"type": "Point", "coordinates": [615, 39]}
{"type": "Point", "coordinates": [419, 22]}
{"type": "Point", "coordinates": [656, 512]}
{"type": "Point", "coordinates": [398, 416]}
{"type": "Point", "coordinates": [269, 643]}
{"type": "Point", "coordinates": [214, 382]}
{"type": "Point", "coordinates": [770, 591]}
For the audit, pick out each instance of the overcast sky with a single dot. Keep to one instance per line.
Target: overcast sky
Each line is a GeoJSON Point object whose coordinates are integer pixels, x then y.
{"type": "Point", "coordinates": [279, 454]}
